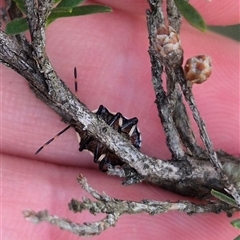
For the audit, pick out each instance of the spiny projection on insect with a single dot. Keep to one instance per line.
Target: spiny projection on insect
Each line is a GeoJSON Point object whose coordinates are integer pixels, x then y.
{"type": "Point", "coordinates": [101, 155]}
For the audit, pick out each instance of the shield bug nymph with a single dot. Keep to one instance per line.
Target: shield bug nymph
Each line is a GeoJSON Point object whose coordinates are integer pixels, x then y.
{"type": "Point", "coordinates": [104, 157]}
{"type": "Point", "coordinates": [126, 127]}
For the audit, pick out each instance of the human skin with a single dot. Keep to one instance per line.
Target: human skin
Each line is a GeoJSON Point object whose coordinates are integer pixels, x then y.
{"type": "Point", "coordinates": [110, 53]}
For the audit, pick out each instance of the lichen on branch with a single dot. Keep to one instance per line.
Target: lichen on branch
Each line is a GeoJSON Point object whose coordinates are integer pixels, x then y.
{"type": "Point", "coordinates": [193, 171]}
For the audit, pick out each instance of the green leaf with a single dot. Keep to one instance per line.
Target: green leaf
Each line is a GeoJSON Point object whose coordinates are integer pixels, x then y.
{"type": "Point", "coordinates": [69, 3]}
{"type": "Point", "coordinates": [20, 5]}
{"type": "Point", "coordinates": [78, 11]}
{"type": "Point", "coordinates": [230, 31]}
{"type": "Point", "coordinates": [17, 26]}
{"type": "Point", "coordinates": [19, 1]}
{"type": "Point", "coordinates": [236, 223]}
{"type": "Point", "coordinates": [191, 14]}
{"type": "Point", "coordinates": [237, 238]}
{"type": "Point", "coordinates": [20, 24]}
{"type": "Point", "coordinates": [62, 10]}
{"type": "Point", "coordinates": [224, 198]}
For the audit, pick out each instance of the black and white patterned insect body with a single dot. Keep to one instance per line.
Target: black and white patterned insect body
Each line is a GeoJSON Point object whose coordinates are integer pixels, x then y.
{"type": "Point", "coordinates": [104, 157]}
{"type": "Point", "coordinates": [126, 127]}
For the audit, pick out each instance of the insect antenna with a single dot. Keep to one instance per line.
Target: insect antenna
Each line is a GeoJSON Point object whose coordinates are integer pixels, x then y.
{"type": "Point", "coordinates": [75, 80]}
{"type": "Point", "coordinates": [50, 140]}
{"type": "Point", "coordinates": [66, 128]}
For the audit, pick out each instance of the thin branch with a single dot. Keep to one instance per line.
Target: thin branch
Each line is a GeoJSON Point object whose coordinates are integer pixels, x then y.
{"type": "Point", "coordinates": [86, 229]}
{"type": "Point", "coordinates": [170, 106]}
{"type": "Point", "coordinates": [49, 88]}
{"type": "Point", "coordinates": [174, 16]}
{"type": "Point", "coordinates": [114, 208]}
{"type": "Point", "coordinates": [229, 186]}
{"type": "Point", "coordinates": [75, 113]}
{"type": "Point", "coordinates": [154, 18]}
{"type": "Point", "coordinates": [106, 204]}
{"type": "Point", "coordinates": [166, 53]}
{"type": "Point", "coordinates": [184, 129]}
{"type": "Point", "coordinates": [194, 175]}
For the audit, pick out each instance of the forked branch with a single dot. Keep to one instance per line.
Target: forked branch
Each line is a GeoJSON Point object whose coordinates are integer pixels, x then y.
{"type": "Point", "coordinates": [189, 172]}
{"type": "Point", "coordinates": [114, 208]}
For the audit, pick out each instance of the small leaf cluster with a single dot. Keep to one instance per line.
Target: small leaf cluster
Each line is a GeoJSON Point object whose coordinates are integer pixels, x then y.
{"type": "Point", "coordinates": [63, 8]}
{"type": "Point", "coordinates": [230, 201]}
{"type": "Point", "coordinates": [191, 15]}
